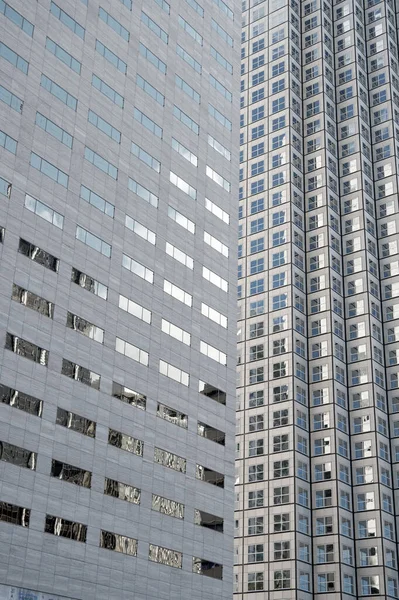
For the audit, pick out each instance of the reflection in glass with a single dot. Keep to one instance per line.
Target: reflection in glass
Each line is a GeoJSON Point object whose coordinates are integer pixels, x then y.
{"type": "Point", "coordinates": [10, 513]}
{"type": "Point", "coordinates": [167, 507]}
{"type": "Point", "coordinates": [123, 491]}
{"type": "Point", "coordinates": [170, 460]}
{"type": "Point", "coordinates": [125, 442]}
{"type": "Point", "coordinates": [63, 528]}
{"type": "Point", "coordinates": [18, 456]}
{"type": "Point", "coordinates": [129, 396]}
{"type": "Point", "coordinates": [26, 349]}
{"type": "Point", "coordinates": [118, 543]}
{"type": "Point", "coordinates": [165, 556]}
{"type": "Point", "coordinates": [76, 422]}
{"type": "Point", "coordinates": [71, 474]}
{"type": "Point", "coordinates": [22, 401]}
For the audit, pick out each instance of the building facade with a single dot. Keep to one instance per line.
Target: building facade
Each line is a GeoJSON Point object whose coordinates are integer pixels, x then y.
{"type": "Point", "coordinates": [318, 353]}
{"type": "Point", "coordinates": [117, 325]}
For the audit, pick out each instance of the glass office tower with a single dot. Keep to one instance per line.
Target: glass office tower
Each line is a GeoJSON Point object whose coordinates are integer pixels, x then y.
{"type": "Point", "coordinates": [117, 311]}
{"type": "Point", "coordinates": [318, 400]}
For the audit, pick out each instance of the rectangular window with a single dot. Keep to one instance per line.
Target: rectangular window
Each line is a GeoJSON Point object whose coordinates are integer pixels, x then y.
{"type": "Point", "coordinates": [134, 309]}
{"type": "Point", "coordinates": [188, 59]}
{"type": "Point", "coordinates": [153, 58]}
{"type": "Point", "coordinates": [186, 120]}
{"type": "Point", "coordinates": [213, 353]}
{"type": "Point", "coordinates": [181, 220]}
{"type": "Point", "coordinates": [154, 27]}
{"type": "Point", "coordinates": [131, 351]}
{"type": "Point", "coordinates": [190, 30]}
{"type": "Point", "coordinates": [81, 374]}
{"type": "Point", "coordinates": [197, 7]}
{"type": "Point", "coordinates": [18, 456]}
{"type": "Point", "coordinates": [89, 284]}
{"type": "Point", "coordinates": [75, 422]}
{"type": "Point", "coordinates": [59, 92]}
{"type": "Point", "coordinates": [96, 200]}
{"type": "Point", "coordinates": [33, 301]}
{"type": "Point", "coordinates": [216, 244]}
{"type": "Point", "coordinates": [222, 33]}
{"type": "Point", "coordinates": [178, 293]}
{"type": "Point", "coordinates": [104, 126]}
{"type": "Point", "coordinates": [180, 256]}
{"type": "Point", "coordinates": [49, 170]}
{"type": "Point", "coordinates": [26, 349]}
{"type": "Point", "coordinates": [217, 211]}
{"type": "Point", "coordinates": [183, 185]}
{"type": "Point", "coordinates": [107, 90]}
{"type": "Point", "coordinates": [67, 20]}
{"type": "Point", "coordinates": [14, 58]}
{"type": "Point", "coordinates": [83, 326]}
{"type": "Point", "coordinates": [137, 268]}
{"type": "Point", "coordinates": [172, 416]}
{"type": "Point", "coordinates": [176, 332]}
{"type": "Point", "coordinates": [11, 100]}
{"type": "Point", "coordinates": [210, 433]}
{"type": "Point", "coordinates": [165, 556]}
{"type": "Point", "coordinates": [215, 279]}
{"type": "Point", "coordinates": [145, 157]}
{"type": "Point", "coordinates": [122, 491]}
{"type": "Point", "coordinates": [220, 88]}
{"type": "Point", "coordinates": [174, 373]}
{"type": "Point", "coordinates": [57, 132]}
{"type": "Point", "coordinates": [143, 192]}
{"type": "Point", "coordinates": [63, 56]}
{"type": "Point", "coordinates": [170, 460]}
{"type": "Point", "coordinates": [221, 60]}
{"type": "Point", "coordinates": [67, 529]}
{"type": "Point", "coordinates": [70, 474]}
{"type": "Point", "coordinates": [184, 152]}
{"type": "Point", "coordinates": [219, 147]}
{"type": "Point", "coordinates": [129, 396]}
{"type": "Point", "coordinates": [208, 568]}
{"type": "Point", "coordinates": [16, 515]}
{"type": "Point", "coordinates": [114, 24]}
{"type": "Point", "coordinates": [219, 117]}
{"type": "Point", "coordinates": [207, 389]}
{"type": "Point", "coordinates": [147, 123]}
{"type": "Point", "coordinates": [150, 90]}
{"type": "Point", "coordinates": [38, 255]}
{"type": "Point", "coordinates": [125, 442]}
{"type": "Point", "coordinates": [213, 315]}
{"type": "Point", "coordinates": [93, 241]}
{"type": "Point", "coordinates": [44, 211]}
{"type": "Point", "coordinates": [164, 5]}
{"type": "Point", "coordinates": [111, 57]}
{"type": "Point", "coordinates": [118, 542]}
{"type": "Point", "coordinates": [221, 181]}
{"type": "Point", "coordinates": [20, 400]}
{"type": "Point", "coordinates": [16, 18]}
{"type": "Point", "coordinates": [168, 507]}
{"type": "Point", "coordinates": [8, 143]}
{"type": "Point", "coordinates": [209, 476]}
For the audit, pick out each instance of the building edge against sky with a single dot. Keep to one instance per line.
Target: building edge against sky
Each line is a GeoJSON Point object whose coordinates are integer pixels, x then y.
{"type": "Point", "coordinates": [118, 222]}
{"type": "Point", "coordinates": [318, 403]}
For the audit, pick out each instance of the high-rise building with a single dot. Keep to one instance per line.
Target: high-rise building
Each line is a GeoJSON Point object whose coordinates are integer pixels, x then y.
{"type": "Point", "coordinates": [318, 405]}
{"type": "Point", "coordinates": [117, 298]}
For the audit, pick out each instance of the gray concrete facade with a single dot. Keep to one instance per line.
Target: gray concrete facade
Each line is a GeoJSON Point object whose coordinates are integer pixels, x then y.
{"type": "Point", "coordinates": [118, 305]}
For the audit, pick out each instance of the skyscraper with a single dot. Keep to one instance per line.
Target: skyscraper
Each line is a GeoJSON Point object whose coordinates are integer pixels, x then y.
{"type": "Point", "coordinates": [318, 401]}
{"type": "Point", "coordinates": [117, 321]}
